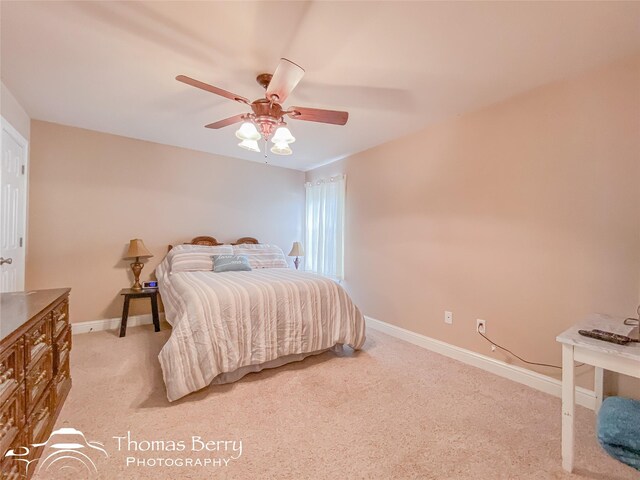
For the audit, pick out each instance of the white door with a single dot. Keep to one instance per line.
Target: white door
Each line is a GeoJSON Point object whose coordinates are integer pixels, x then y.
{"type": "Point", "coordinates": [13, 200]}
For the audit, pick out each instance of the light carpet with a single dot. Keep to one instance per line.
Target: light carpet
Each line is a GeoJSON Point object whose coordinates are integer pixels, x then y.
{"type": "Point", "coordinates": [393, 410]}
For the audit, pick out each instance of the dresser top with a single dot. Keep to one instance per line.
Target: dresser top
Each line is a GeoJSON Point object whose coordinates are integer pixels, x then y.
{"type": "Point", "coordinates": [17, 308]}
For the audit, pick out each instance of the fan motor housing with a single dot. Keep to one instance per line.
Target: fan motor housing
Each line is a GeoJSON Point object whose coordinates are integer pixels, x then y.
{"type": "Point", "coordinates": [264, 108]}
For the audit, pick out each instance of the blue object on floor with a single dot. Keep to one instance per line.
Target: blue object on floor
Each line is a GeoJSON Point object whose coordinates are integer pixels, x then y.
{"type": "Point", "coordinates": [618, 429]}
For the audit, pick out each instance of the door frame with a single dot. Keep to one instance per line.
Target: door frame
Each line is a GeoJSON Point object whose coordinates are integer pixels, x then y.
{"type": "Point", "coordinates": [17, 136]}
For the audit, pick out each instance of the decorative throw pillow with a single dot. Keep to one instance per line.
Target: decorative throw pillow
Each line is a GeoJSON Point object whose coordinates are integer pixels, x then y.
{"type": "Point", "coordinates": [193, 258]}
{"type": "Point", "coordinates": [262, 255]}
{"type": "Point", "coordinates": [230, 263]}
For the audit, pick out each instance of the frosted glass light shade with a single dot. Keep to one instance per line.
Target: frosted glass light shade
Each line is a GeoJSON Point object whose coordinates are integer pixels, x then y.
{"type": "Point", "coordinates": [281, 149]}
{"type": "Point", "coordinates": [250, 145]}
{"type": "Point", "coordinates": [283, 135]}
{"type": "Point", "coordinates": [248, 131]}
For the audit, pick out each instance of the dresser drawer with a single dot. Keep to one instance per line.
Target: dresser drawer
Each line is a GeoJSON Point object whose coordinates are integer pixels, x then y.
{"type": "Point", "coordinates": [61, 383]}
{"type": "Point", "coordinates": [61, 349]}
{"type": "Point", "coordinates": [41, 419]}
{"type": "Point", "coordinates": [11, 468]}
{"type": "Point", "coordinates": [60, 318]}
{"type": "Point", "coordinates": [37, 341]}
{"type": "Point", "coordinates": [38, 379]}
{"type": "Point", "coordinates": [11, 420]}
{"type": "Point", "coordinates": [11, 370]}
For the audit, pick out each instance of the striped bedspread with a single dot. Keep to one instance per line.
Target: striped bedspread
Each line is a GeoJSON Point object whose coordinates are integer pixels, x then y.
{"type": "Point", "coordinates": [225, 321]}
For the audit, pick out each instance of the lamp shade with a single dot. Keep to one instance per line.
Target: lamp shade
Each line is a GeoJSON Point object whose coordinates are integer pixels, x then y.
{"type": "Point", "coordinates": [296, 250]}
{"type": "Point", "coordinates": [137, 249]}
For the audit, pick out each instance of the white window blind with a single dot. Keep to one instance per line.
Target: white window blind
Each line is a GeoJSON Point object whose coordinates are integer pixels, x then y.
{"type": "Point", "coordinates": [324, 239]}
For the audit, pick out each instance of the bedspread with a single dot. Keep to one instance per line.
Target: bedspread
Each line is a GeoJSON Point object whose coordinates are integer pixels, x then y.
{"type": "Point", "coordinates": [225, 321]}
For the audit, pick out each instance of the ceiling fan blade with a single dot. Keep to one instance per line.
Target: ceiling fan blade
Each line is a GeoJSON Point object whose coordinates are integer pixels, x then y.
{"type": "Point", "coordinates": [211, 88]}
{"type": "Point", "coordinates": [319, 115]}
{"type": "Point", "coordinates": [284, 80]}
{"type": "Point", "coordinates": [226, 121]}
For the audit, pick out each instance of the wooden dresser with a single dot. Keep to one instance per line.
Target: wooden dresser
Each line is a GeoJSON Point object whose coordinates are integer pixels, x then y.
{"type": "Point", "coordinates": [35, 341]}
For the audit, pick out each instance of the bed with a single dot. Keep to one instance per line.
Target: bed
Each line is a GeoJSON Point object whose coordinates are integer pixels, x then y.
{"type": "Point", "coordinates": [226, 325]}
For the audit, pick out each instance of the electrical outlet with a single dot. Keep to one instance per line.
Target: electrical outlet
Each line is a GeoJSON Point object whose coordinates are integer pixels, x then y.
{"type": "Point", "coordinates": [448, 317]}
{"type": "Point", "coordinates": [481, 326]}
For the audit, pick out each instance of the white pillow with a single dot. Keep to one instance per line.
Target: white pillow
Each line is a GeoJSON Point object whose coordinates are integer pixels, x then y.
{"type": "Point", "coordinates": [262, 255]}
{"type": "Point", "coordinates": [194, 258]}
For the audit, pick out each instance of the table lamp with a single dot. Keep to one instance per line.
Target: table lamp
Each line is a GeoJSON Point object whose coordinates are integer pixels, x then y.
{"type": "Point", "coordinates": [137, 250]}
{"type": "Point", "coordinates": [296, 251]}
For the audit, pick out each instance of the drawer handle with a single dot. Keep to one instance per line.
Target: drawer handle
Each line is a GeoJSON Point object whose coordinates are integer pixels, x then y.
{"type": "Point", "coordinates": [42, 413]}
{"type": "Point", "coordinates": [13, 474]}
{"type": "Point", "coordinates": [6, 375]}
{"type": "Point", "coordinates": [65, 346]}
{"type": "Point", "coordinates": [62, 316]}
{"type": "Point", "coordinates": [40, 339]}
{"type": "Point", "coordinates": [41, 377]}
{"type": "Point", "coordinates": [6, 427]}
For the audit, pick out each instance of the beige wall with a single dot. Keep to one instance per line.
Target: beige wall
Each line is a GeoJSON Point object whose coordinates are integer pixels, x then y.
{"type": "Point", "coordinates": [13, 112]}
{"type": "Point", "coordinates": [91, 192]}
{"type": "Point", "coordinates": [525, 214]}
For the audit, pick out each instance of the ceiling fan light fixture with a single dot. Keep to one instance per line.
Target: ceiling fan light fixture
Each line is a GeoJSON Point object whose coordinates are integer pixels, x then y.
{"type": "Point", "coordinates": [248, 131]}
{"type": "Point", "coordinates": [283, 135]}
{"type": "Point", "coordinates": [281, 148]}
{"type": "Point", "coordinates": [266, 119]}
{"type": "Point", "coordinates": [251, 145]}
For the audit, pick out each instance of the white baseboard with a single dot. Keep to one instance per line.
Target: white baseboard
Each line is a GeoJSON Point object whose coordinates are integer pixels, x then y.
{"type": "Point", "coordinates": [112, 323]}
{"type": "Point", "coordinates": [584, 397]}
{"type": "Point", "coordinates": [544, 383]}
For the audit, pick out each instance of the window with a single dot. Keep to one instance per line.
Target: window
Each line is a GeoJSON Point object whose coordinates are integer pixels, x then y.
{"type": "Point", "coordinates": [324, 239]}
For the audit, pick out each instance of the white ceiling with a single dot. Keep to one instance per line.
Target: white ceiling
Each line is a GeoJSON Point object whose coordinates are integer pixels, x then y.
{"type": "Point", "coordinates": [395, 66]}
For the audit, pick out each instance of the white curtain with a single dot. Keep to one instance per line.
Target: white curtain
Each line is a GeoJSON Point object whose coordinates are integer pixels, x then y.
{"type": "Point", "coordinates": [324, 239]}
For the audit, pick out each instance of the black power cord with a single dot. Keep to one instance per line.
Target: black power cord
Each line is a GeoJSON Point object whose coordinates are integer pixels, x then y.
{"type": "Point", "coordinates": [634, 322]}
{"type": "Point", "coordinates": [627, 321]}
{"type": "Point", "coordinates": [518, 357]}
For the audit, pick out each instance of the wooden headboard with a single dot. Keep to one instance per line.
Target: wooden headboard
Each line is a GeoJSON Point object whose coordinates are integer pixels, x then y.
{"type": "Point", "coordinates": [250, 240]}
{"type": "Point", "coordinates": [212, 242]}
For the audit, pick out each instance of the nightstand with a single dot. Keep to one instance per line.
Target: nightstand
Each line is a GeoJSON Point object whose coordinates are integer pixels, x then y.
{"type": "Point", "coordinates": [128, 293]}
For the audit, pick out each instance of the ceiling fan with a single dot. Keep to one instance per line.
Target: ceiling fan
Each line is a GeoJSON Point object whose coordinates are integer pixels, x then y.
{"type": "Point", "coordinates": [267, 114]}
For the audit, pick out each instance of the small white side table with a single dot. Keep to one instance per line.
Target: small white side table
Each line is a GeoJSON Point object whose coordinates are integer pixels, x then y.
{"type": "Point", "coordinates": [623, 359]}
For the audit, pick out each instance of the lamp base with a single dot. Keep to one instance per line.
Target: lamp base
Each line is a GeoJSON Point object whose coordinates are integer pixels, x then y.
{"type": "Point", "coordinates": [136, 268]}
{"type": "Point", "coordinates": [296, 262]}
